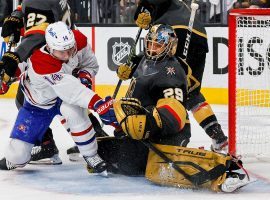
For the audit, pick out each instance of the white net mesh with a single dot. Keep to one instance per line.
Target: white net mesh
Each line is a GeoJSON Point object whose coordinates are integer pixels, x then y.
{"type": "Point", "coordinates": [253, 86]}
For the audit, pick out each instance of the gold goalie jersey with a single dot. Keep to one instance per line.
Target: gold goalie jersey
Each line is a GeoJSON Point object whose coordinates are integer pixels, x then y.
{"type": "Point", "coordinates": [154, 84]}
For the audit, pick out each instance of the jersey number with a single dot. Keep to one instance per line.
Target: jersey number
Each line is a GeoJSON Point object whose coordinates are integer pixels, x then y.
{"type": "Point", "coordinates": [34, 19]}
{"type": "Point", "coordinates": [176, 93]}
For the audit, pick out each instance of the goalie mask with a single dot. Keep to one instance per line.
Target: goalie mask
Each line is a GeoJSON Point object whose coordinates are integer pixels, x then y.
{"type": "Point", "coordinates": [160, 42]}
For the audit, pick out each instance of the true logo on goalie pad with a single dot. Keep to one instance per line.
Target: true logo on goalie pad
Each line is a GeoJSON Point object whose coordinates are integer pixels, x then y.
{"type": "Point", "coordinates": [191, 152]}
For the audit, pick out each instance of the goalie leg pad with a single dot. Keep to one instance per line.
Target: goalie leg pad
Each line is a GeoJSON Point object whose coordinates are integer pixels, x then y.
{"type": "Point", "coordinates": [205, 167]}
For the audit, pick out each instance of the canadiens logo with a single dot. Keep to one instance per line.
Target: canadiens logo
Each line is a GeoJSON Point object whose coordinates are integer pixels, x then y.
{"type": "Point", "coordinates": [170, 70]}
{"type": "Point", "coordinates": [56, 77]}
{"type": "Point", "coordinates": [120, 51]}
{"type": "Point", "coordinates": [22, 128]}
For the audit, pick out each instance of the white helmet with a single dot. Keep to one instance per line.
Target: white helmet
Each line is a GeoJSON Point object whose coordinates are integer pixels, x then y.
{"type": "Point", "coordinates": [59, 37]}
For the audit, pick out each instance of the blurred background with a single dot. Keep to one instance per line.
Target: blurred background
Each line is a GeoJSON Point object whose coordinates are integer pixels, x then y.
{"type": "Point", "coordinates": [211, 12]}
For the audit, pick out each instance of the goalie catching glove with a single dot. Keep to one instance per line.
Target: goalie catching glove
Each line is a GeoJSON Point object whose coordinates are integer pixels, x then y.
{"type": "Point", "coordinates": [169, 115]}
{"type": "Point", "coordinates": [135, 120]}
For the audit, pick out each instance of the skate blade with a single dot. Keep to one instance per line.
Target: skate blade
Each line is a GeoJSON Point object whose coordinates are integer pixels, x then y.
{"type": "Point", "coordinates": [104, 174]}
{"type": "Point", "coordinates": [55, 160]}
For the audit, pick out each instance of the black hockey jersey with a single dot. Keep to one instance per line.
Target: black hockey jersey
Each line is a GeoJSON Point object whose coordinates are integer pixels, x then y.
{"type": "Point", "coordinates": [176, 13]}
{"type": "Point", "coordinates": [36, 12]}
{"type": "Point", "coordinates": [154, 80]}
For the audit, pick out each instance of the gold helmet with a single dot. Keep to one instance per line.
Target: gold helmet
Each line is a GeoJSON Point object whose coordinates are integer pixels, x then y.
{"type": "Point", "coordinates": [160, 42]}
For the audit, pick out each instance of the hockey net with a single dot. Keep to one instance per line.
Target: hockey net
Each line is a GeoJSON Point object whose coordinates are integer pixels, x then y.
{"type": "Point", "coordinates": [249, 83]}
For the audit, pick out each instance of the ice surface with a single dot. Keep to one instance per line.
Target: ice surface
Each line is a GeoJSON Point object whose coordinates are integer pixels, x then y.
{"type": "Point", "coordinates": [70, 181]}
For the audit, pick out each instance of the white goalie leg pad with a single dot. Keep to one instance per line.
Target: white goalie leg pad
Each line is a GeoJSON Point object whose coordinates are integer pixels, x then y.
{"type": "Point", "coordinates": [18, 152]}
{"type": "Point", "coordinates": [81, 128]}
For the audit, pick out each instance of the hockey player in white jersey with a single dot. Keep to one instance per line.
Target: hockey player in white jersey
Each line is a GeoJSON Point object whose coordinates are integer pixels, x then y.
{"type": "Point", "coordinates": [50, 89]}
{"type": "Point", "coordinates": [30, 21]}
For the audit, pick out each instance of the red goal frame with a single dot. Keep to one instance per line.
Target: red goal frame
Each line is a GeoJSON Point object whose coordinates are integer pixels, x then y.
{"type": "Point", "coordinates": [232, 42]}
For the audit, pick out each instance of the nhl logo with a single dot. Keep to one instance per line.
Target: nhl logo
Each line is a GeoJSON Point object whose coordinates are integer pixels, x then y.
{"type": "Point", "coordinates": [120, 51]}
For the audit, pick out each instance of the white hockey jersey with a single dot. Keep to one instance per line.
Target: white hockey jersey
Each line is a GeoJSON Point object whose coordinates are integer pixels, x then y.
{"type": "Point", "coordinates": [48, 78]}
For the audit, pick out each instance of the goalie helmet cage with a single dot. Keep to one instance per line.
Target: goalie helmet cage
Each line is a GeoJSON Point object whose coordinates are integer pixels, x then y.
{"type": "Point", "coordinates": [249, 83]}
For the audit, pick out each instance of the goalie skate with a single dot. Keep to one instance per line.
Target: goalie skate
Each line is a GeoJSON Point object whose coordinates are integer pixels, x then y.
{"type": "Point", "coordinates": [45, 155]}
{"type": "Point", "coordinates": [234, 182]}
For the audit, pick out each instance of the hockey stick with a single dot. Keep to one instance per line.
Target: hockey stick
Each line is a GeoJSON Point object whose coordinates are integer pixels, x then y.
{"type": "Point", "coordinates": [194, 8]}
{"type": "Point", "coordinates": [132, 53]}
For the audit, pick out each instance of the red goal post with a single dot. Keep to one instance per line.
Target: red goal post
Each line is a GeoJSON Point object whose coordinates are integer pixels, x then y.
{"type": "Point", "coordinates": [249, 82]}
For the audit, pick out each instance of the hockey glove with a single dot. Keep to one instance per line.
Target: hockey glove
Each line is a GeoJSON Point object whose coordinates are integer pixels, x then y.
{"type": "Point", "coordinates": [9, 64]}
{"type": "Point", "coordinates": [12, 25]}
{"type": "Point", "coordinates": [106, 112]}
{"type": "Point", "coordinates": [144, 19]}
{"type": "Point", "coordinates": [85, 78]}
{"type": "Point", "coordinates": [137, 122]}
{"type": "Point", "coordinates": [124, 72]}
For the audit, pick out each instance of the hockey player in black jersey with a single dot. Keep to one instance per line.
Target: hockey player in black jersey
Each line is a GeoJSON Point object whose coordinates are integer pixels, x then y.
{"type": "Point", "coordinates": [154, 112]}
{"type": "Point", "coordinates": [176, 14]}
{"type": "Point", "coordinates": [32, 18]}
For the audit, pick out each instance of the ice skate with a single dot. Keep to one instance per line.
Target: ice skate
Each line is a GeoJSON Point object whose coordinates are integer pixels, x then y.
{"type": "Point", "coordinates": [220, 146]}
{"type": "Point", "coordinates": [46, 154]}
{"type": "Point", "coordinates": [234, 182]}
{"type": "Point", "coordinates": [74, 154]}
{"type": "Point", "coordinates": [95, 164]}
{"type": "Point", "coordinates": [219, 140]}
{"type": "Point", "coordinates": [6, 165]}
